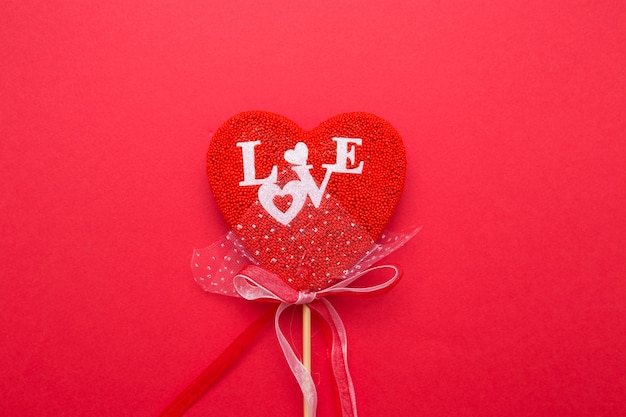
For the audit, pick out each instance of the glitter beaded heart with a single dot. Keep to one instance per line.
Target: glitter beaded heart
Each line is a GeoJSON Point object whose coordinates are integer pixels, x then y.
{"type": "Point", "coordinates": [306, 205]}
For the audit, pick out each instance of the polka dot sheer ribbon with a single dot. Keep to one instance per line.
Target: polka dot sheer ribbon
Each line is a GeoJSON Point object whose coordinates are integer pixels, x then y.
{"type": "Point", "coordinates": [313, 251]}
{"type": "Point", "coordinates": [227, 268]}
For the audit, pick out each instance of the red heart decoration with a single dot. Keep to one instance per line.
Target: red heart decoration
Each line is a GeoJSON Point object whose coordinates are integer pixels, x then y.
{"type": "Point", "coordinates": [282, 203]}
{"type": "Point", "coordinates": [306, 205]}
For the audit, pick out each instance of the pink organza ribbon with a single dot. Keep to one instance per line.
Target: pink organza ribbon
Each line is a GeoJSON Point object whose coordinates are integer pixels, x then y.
{"type": "Point", "coordinates": [226, 268]}
{"type": "Point", "coordinates": [255, 283]}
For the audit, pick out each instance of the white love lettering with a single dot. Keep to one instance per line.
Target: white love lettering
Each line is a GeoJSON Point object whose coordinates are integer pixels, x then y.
{"type": "Point", "coordinates": [306, 185]}
{"type": "Point", "coordinates": [343, 155]}
{"type": "Point", "coordinates": [249, 172]}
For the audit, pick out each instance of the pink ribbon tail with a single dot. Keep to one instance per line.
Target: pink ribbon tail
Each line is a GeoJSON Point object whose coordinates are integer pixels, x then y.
{"type": "Point", "coordinates": [302, 375]}
{"type": "Point", "coordinates": [344, 388]}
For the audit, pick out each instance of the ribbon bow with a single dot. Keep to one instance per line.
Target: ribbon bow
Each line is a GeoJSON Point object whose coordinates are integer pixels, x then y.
{"type": "Point", "coordinates": [256, 283]}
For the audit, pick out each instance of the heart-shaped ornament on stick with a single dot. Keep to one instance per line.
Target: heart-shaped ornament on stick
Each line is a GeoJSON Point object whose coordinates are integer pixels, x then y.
{"type": "Point", "coordinates": [306, 208]}
{"type": "Point", "coordinates": [306, 205]}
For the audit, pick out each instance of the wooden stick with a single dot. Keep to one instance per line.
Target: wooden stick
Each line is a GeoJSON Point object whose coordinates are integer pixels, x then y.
{"type": "Point", "coordinates": [306, 345]}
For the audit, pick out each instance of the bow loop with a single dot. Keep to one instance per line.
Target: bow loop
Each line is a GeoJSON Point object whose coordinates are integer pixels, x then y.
{"type": "Point", "coordinates": [256, 283]}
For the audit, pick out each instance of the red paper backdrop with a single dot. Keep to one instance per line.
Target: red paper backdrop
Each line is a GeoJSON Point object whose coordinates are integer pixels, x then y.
{"type": "Point", "coordinates": [513, 301]}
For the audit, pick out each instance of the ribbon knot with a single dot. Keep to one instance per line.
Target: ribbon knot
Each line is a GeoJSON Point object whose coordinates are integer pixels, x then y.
{"type": "Point", "coordinates": [305, 297]}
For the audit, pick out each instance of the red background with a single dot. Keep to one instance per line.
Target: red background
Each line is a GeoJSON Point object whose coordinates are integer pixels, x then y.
{"type": "Point", "coordinates": [513, 118]}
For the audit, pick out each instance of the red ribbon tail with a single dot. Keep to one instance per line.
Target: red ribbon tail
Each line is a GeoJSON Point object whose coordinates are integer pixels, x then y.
{"type": "Point", "coordinates": [203, 382]}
